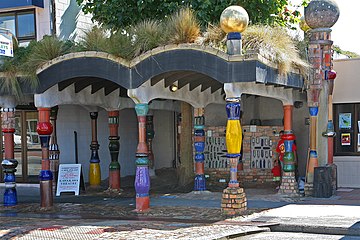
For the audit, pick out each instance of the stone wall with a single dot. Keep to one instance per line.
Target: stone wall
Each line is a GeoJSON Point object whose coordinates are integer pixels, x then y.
{"type": "Point", "coordinates": [218, 174]}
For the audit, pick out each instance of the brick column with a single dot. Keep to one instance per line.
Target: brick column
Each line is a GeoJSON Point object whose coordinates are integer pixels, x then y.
{"type": "Point", "coordinates": [142, 178]}
{"type": "Point", "coordinates": [199, 144]}
{"type": "Point", "coordinates": [9, 163]}
{"type": "Point", "coordinates": [94, 171]}
{"type": "Point", "coordinates": [233, 200]}
{"type": "Point", "coordinates": [44, 129]}
{"type": "Point", "coordinates": [114, 147]}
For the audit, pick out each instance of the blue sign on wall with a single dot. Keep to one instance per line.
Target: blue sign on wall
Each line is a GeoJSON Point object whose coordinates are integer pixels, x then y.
{"type": "Point", "coordinates": [21, 3]}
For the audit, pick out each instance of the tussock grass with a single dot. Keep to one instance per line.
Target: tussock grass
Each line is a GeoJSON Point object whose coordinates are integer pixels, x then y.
{"type": "Point", "coordinates": [94, 40]}
{"type": "Point", "coordinates": [119, 44]}
{"type": "Point", "coordinates": [148, 35]}
{"type": "Point", "coordinates": [183, 27]}
{"type": "Point", "coordinates": [278, 43]}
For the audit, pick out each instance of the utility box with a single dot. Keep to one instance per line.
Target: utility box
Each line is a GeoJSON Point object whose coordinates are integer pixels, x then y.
{"type": "Point", "coordinates": [323, 182]}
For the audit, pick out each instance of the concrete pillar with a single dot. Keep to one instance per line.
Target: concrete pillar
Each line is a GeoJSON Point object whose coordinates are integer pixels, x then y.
{"type": "Point", "coordinates": [199, 144]}
{"type": "Point", "coordinates": [114, 147]}
{"type": "Point", "coordinates": [142, 178]}
{"type": "Point", "coordinates": [44, 129]}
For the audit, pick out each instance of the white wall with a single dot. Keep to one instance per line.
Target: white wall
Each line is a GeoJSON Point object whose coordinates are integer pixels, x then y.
{"type": "Point", "coordinates": [348, 168]}
{"type": "Point", "coordinates": [43, 22]}
{"type": "Point", "coordinates": [347, 82]}
{"type": "Point", "coordinates": [75, 118]}
{"type": "Point", "coordinates": [71, 22]}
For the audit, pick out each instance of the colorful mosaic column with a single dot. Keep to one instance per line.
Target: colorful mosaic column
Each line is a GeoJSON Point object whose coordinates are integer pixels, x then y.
{"type": "Point", "coordinates": [150, 133]}
{"type": "Point", "coordinates": [114, 147]}
{"type": "Point", "coordinates": [313, 156]}
{"type": "Point", "coordinates": [54, 152]}
{"type": "Point", "coordinates": [44, 129]}
{"type": "Point", "coordinates": [330, 133]}
{"type": "Point", "coordinates": [142, 178]}
{"type": "Point", "coordinates": [233, 199]}
{"type": "Point", "coordinates": [320, 16]}
{"type": "Point", "coordinates": [288, 181]}
{"type": "Point", "coordinates": [199, 144]}
{"type": "Point", "coordinates": [94, 171]}
{"type": "Point", "coordinates": [288, 137]}
{"type": "Point", "coordinates": [9, 163]}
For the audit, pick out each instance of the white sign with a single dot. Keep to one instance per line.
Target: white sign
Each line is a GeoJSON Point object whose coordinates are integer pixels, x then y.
{"type": "Point", "coordinates": [252, 128]}
{"type": "Point", "coordinates": [69, 178]}
{"type": "Point", "coordinates": [6, 45]}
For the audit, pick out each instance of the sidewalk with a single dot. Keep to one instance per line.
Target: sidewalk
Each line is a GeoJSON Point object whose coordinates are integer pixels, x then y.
{"type": "Point", "coordinates": [175, 216]}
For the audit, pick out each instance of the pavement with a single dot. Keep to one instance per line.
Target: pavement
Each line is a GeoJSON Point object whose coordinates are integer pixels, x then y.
{"type": "Point", "coordinates": [190, 215]}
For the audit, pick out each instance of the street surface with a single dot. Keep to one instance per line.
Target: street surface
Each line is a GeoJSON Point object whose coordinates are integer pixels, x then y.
{"type": "Point", "coordinates": [181, 216]}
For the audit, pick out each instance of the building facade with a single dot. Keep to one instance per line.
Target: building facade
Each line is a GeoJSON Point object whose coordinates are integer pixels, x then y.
{"type": "Point", "coordinates": [346, 120]}
{"type": "Point", "coordinates": [103, 102]}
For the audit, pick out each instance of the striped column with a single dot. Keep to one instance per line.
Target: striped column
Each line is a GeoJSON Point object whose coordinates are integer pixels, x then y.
{"type": "Point", "coordinates": [150, 133]}
{"type": "Point", "coordinates": [142, 178]}
{"type": "Point", "coordinates": [199, 144]}
{"type": "Point", "coordinates": [288, 137]}
{"type": "Point", "coordinates": [313, 157]}
{"type": "Point", "coordinates": [94, 171]}
{"type": "Point", "coordinates": [233, 198]}
{"type": "Point", "coordinates": [114, 147]}
{"type": "Point", "coordinates": [9, 163]}
{"type": "Point", "coordinates": [233, 137]}
{"type": "Point", "coordinates": [44, 129]}
{"type": "Point", "coordinates": [330, 131]}
{"type": "Point", "coordinates": [54, 152]}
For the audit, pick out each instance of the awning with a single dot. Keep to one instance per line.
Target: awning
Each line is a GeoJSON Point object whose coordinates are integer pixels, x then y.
{"type": "Point", "coordinates": [21, 3]}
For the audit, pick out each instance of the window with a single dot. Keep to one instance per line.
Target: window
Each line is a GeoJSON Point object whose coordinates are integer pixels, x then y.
{"type": "Point", "coordinates": [347, 128]}
{"type": "Point", "coordinates": [21, 24]}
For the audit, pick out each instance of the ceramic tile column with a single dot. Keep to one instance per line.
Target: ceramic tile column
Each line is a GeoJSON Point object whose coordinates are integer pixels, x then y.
{"type": "Point", "coordinates": [44, 129]}
{"type": "Point", "coordinates": [150, 133]}
{"type": "Point", "coordinates": [94, 171]}
{"type": "Point", "coordinates": [54, 152]}
{"type": "Point", "coordinates": [142, 178]}
{"type": "Point", "coordinates": [288, 181]}
{"type": "Point", "coordinates": [199, 145]}
{"type": "Point", "coordinates": [9, 163]}
{"type": "Point", "coordinates": [233, 200]}
{"type": "Point", "coordinates": [114, 147]}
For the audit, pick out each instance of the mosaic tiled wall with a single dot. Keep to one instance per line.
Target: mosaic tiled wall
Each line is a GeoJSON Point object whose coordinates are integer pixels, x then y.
{"type": "Point", "coordinates": [256, 168]}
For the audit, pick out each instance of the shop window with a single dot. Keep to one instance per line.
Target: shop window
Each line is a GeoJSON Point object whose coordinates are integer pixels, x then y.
{"type": "Point", "coordinates": [347, 126]}
{"type": "Point", "coordinates": [21, 24]}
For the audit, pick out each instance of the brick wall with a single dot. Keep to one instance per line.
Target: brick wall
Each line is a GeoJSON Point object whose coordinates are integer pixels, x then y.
{"type": "Point", "coordinates": [219, 177]}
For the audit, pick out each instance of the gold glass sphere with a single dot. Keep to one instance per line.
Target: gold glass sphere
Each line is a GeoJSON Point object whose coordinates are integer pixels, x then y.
{"type": "Point", "coordinates": [234, 19]}
{"type": "Point", "coordinates": [303, 25]}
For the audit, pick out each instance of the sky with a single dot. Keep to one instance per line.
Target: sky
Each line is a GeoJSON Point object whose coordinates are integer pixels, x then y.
{"type": "Point", "coordinates": [345, 33]}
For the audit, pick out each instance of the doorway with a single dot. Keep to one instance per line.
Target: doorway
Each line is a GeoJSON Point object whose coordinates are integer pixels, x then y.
{"type": "Point", "coordinates": [27, 148]}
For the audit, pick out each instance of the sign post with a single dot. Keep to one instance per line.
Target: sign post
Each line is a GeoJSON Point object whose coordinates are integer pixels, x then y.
{"type": "Point", "coordinates": [6, 43]}
{"type": "Point", "coordinates": [69, 178]}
